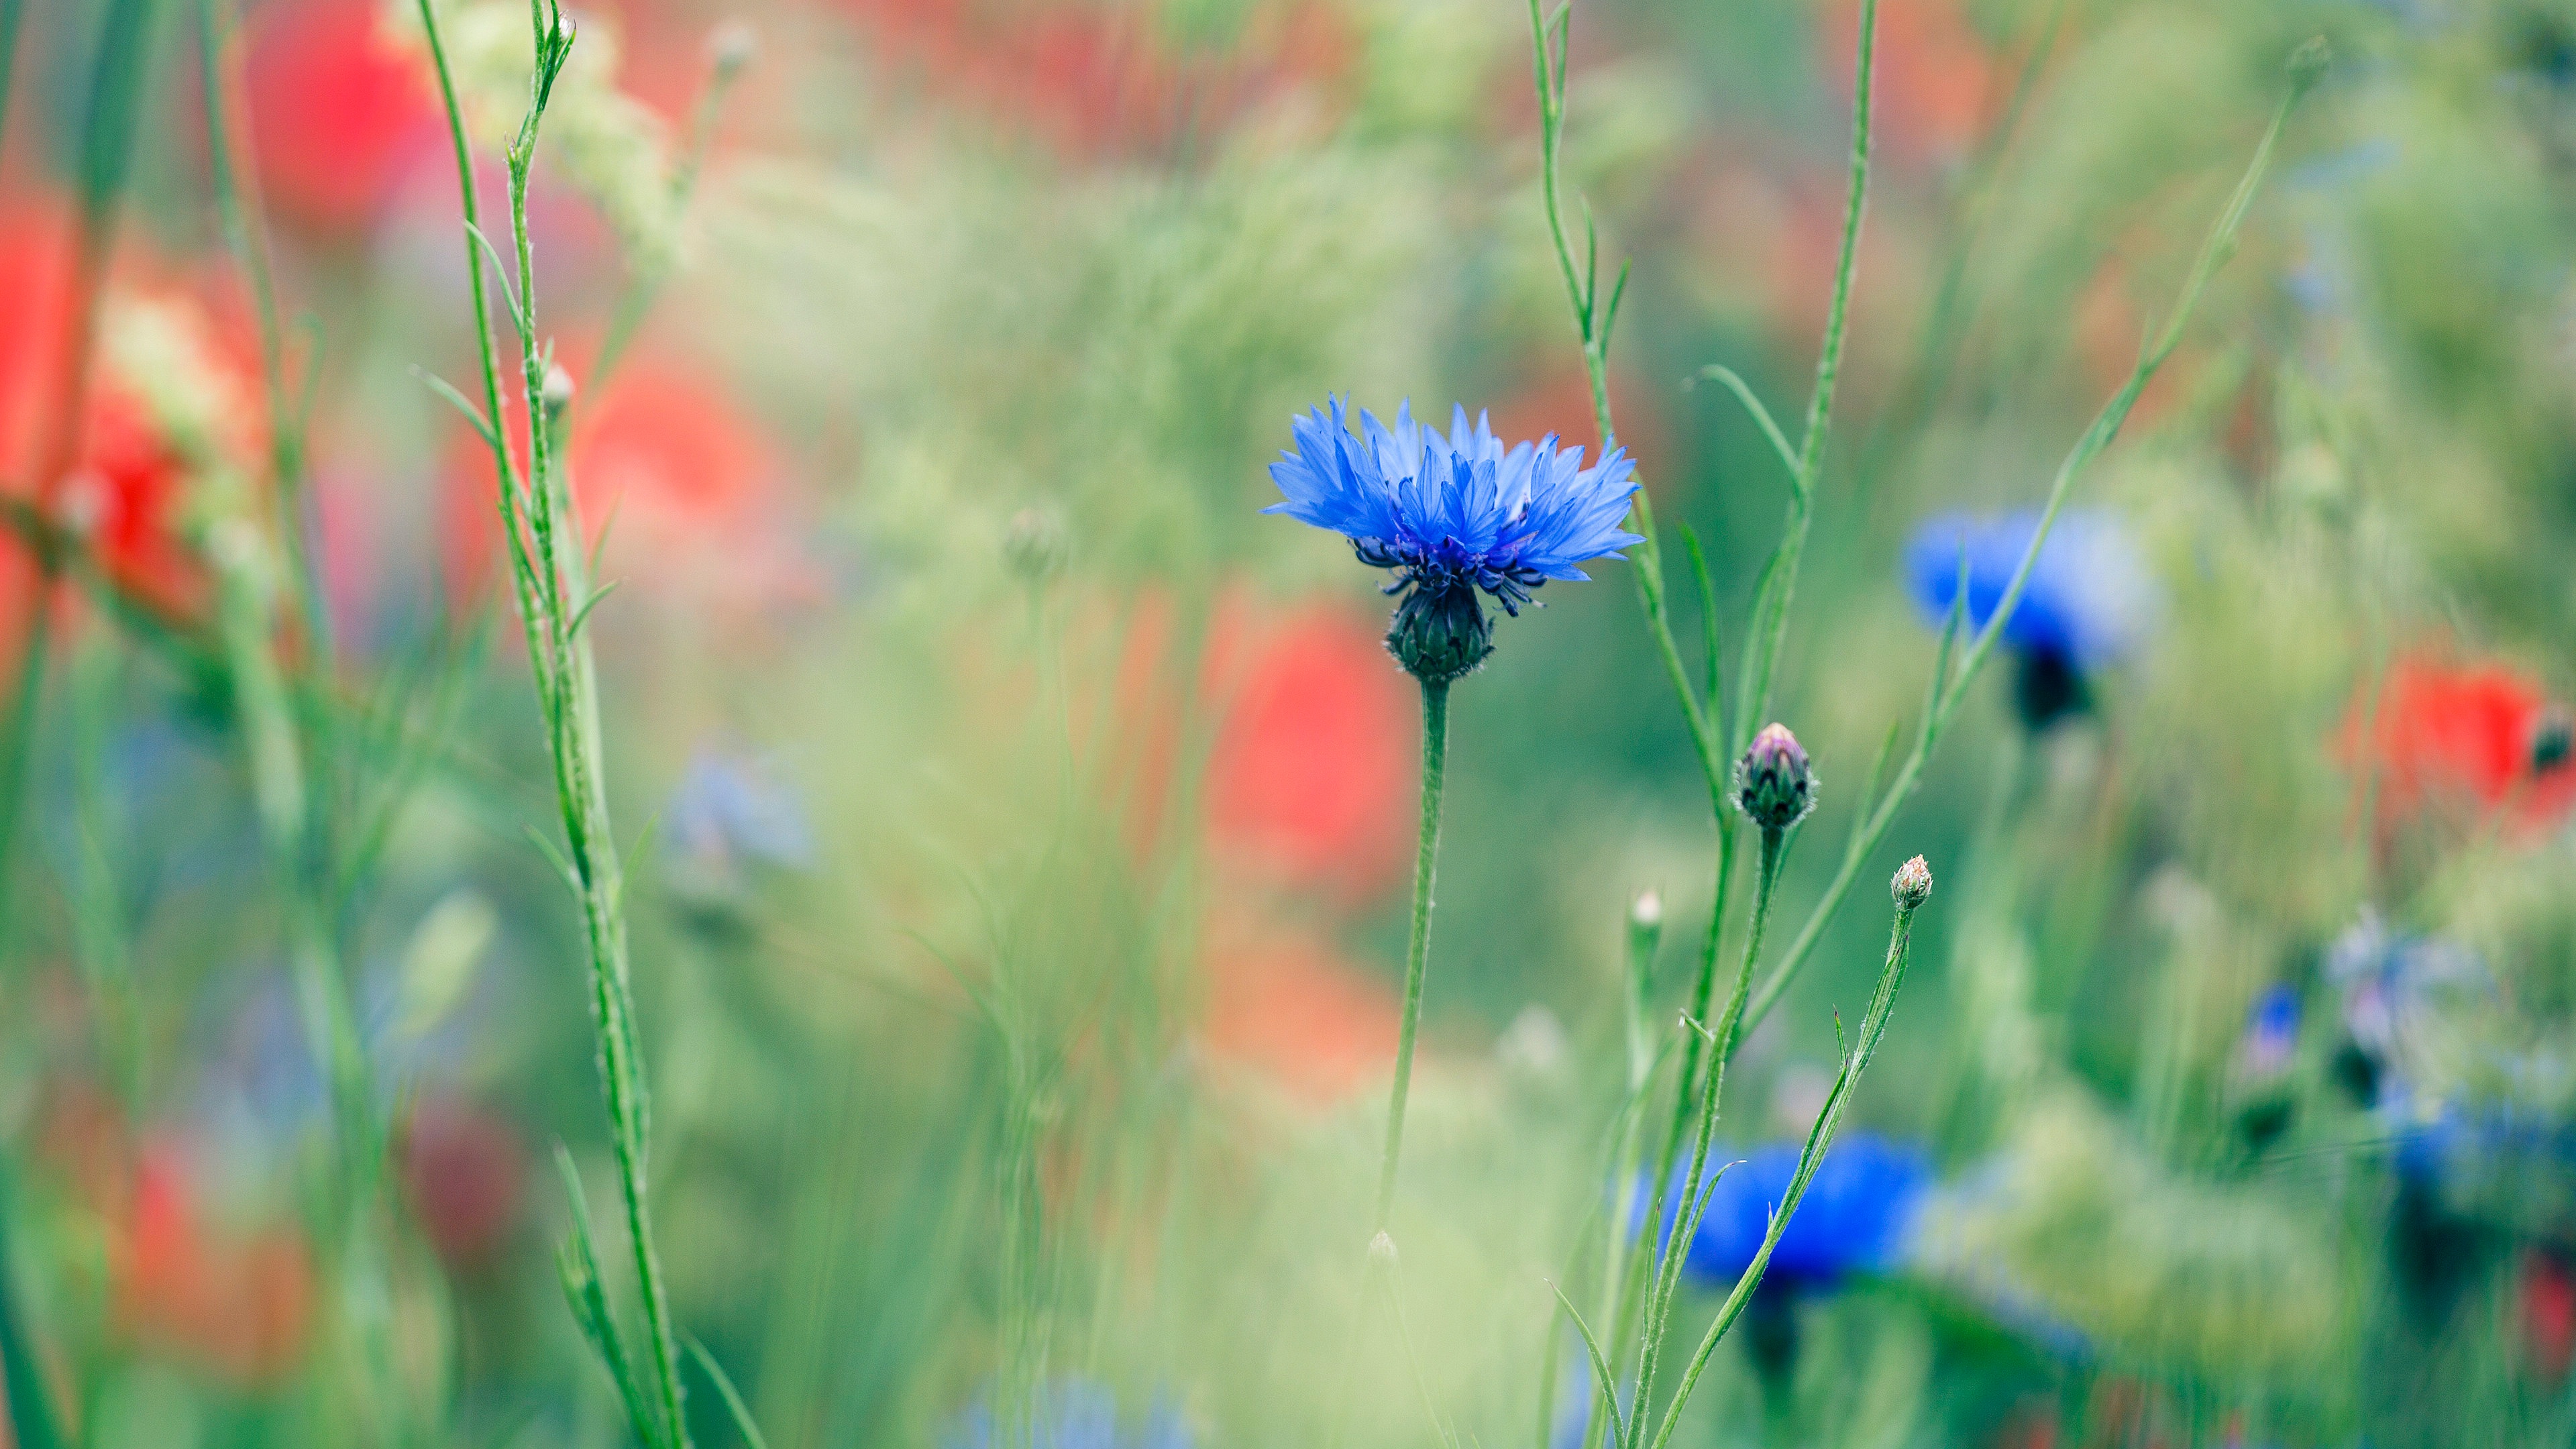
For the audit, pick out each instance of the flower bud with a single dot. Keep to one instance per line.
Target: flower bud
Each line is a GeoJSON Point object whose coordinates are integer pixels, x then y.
{"type": "Point", "coordinates": [1034, 545]}
{"type": "Point", "coordinates": [1646, 913]}
{"type": "Point", "coordinates": [1773, 781]}
{"type": "Point", "coordinates": [731, 46]}
{"type": "Point", "coordinates": [1912, 886]}
{"type": "Point", "coordinates": [557, 393]}
{"type": "Point", "coordinates": [1440, 634]}
{"type": "Point", "coordinates": [1382, 1252]}
{"type": "Point", "coordinates": [2309, 63]}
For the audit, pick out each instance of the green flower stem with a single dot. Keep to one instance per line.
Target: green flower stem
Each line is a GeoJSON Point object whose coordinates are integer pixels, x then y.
{"type": "Point", "coordinates": [1891, 979]}
{"type": "Point", "coordinates": [11, 13]}
{"type": "Point", "coordinates": [107, 136]}
{"type": "Point", "coordinates": [237, 207]}
{"type": "Point", "coordinates": [1686, 1210]}
{"type": "Point", "coordinates": [543, 534]}
{"type": "Point", "coordinates": [1417, 951]}
{"type": "Point", "coordinates": [1948, 688]}
{"type": "Point", "coordinates": [1753, 696]}
{"type": "Point", "coordinates": [22, 1375]}
{"type": "Point", "coordinates": [25, 694]}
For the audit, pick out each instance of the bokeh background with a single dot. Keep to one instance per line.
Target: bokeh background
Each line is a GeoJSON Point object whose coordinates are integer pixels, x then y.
{"type": "Point", "coordinates": [2232, 1100]}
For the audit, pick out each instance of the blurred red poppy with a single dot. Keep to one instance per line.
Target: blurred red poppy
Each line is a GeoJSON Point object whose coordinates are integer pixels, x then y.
{"type": "Point", "coordinates": [463, 1170]}
{"type": "Point", "coordinates": [683, 482]}
{"type": "Point", "coordinates": [1285, 1004]}
{"type": "Point", "coordinates": [1312, 774]}
{"type": "Point", "coordinates": [339, 108]}
{"type": "Point", "coordinates": [2480, 735]}
{"type": "Point", "coordinates": [241, 1308]}
{"type": "Point", "coordinates": [126, 483]}
{"type": "Point", "coordinates": [1092, 80]}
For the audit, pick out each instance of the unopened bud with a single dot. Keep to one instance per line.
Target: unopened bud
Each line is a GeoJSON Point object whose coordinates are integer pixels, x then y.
{"type": "Point", "coordinates": [1034, 545]}
{"type": "Point", "coordinates": [731, 46]}
{"type": "Point", "coordinates": [1646, 912]}
{"type": "Point", "coordinates": [557, 393]}
{"type": "Point", "coordinates": [1912, 885]}
{"type": "Point", "coordinates": [1382, 1252]}
{"type": "Point", "coordinates": [1773, 782]}
{"type": "Point", "coordinates": [2309, 63]}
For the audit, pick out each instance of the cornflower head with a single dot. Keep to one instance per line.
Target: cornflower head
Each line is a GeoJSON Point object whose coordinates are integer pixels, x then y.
{"type": "Point", "coordinates": [2085, 606]}
{"type": "Point", "coordinates": [1457, 517]}
{"type": "Point", "coordinates": [1775, 784]}
{"type": "Point", "coordinates": [1854, 1219]}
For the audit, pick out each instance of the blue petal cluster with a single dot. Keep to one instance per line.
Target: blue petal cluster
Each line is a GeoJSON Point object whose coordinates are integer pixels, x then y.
{"type": "Point", "coordinates": [1076, 1413]}
{"type": "Point", "coordinates": [2088, 600]}
{"type": "Point", "coordinates": [1854, 1217]}
{"type": "Point", "coordinates": [1454, 514]}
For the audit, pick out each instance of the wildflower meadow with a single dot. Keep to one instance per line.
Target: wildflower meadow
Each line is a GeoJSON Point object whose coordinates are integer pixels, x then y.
{"type": "Point", "coordinates": [1172, 724]}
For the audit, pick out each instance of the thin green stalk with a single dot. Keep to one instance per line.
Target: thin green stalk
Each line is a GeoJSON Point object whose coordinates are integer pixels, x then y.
{"type": "Point", "coordinates": [1949, 688]}
{"type": "Point", "coordinates": [1753, 698]}
{"type": "Point", "coordinates": [552, 590]}
{"type": "Point", "coordinates": [1819, 1138]}
{"type": "Point", "coordinates": [107, 136]}
{"type": "Point", "coordinates": [26, 694]}
{"type": "Point", "coordinates": [1692, 1202]}
{"type": "Point", "coordinates": [724, 69]}
{"type": "Point", "coordinates": [245, 234]}
{"type": "Point", "coordinates": [1417, 950]}
{"type": "Point", "coordinates": [22, 1375]}
{"type": "Point", "coordinates": [11, 13]}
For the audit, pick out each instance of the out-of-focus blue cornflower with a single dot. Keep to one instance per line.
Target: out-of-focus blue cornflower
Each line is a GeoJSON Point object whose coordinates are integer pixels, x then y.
{"type": "Point", "coordinates": [730, 813]}
{"type": "Point", "coordinates": [2271, 1032]}
{"type": "Point", "coordinates": [1854, 1217]}
{"type": "Point", "coordinates": [1076, 1413]}
{"type": "Point", "coordinates": [2388, 977]}
{"type": "Point", "coordinates": [2088, 600]}
{"type": "Point", "coordinates": [1454, 516]}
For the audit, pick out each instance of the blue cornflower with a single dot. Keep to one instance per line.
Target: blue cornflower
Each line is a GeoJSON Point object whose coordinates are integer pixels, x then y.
{"type": "Point", "coordinates": [1453, 515]}
{"type": "Point", "coordinates": [1076, 1413]}
{"type": "Point", "coordinates": [1853, 1219]}
{"type": "Point", "coordinates": [2271, 1031]}
{"type": "Point", "coordinates": [2088, 600]}
{"type": "Point", "coordinates": [730, 813]}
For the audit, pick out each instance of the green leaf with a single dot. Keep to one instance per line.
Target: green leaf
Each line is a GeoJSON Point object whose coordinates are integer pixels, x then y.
{"type": "Point", "coordinates": [734, 1405]}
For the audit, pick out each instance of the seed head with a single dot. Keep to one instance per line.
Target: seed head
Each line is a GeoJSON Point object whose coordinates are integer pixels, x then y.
{"type": "Point", "coordinates": [1773, 782]}
{"type": "Point", "coordinates": [1912, 886]}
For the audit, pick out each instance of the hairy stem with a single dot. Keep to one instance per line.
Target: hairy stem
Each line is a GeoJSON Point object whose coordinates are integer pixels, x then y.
{"type": "Point", "coordinates": [1417, 950]}
{"type": "Point", "coordinates": [1949, 688]}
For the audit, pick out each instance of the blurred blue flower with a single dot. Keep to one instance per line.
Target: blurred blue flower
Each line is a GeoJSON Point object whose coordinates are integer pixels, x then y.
{"type": "Point", "coordinates": [730, 812]}
{"type": "Point", "coordinates": [2271, 1031]}
{"type": "Point", "coordinates": [1453, 515]}
{"type": "Point", "coordinates": [2388, 978]}
{"type": "Point", "coordinates": [2088, 600]}
{"type": "Point", "coordinates": [1854, 1217]}
{"type": "Point", "coordinates": [1076, 1413]}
